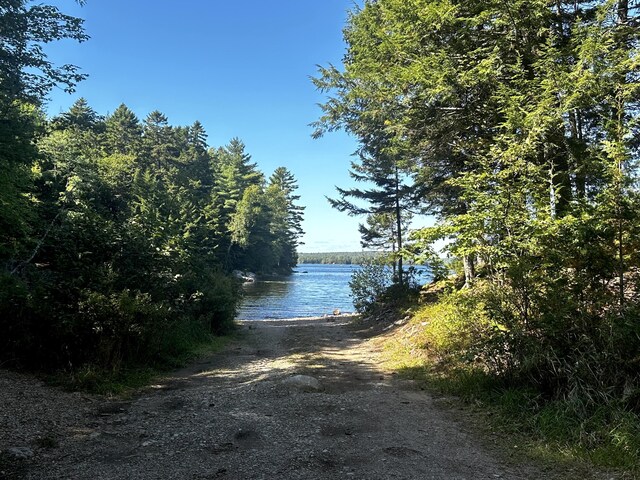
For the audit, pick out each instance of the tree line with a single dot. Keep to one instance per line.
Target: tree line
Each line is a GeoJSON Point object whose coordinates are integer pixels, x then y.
{"type": "Point", "coordinates": [118, 236]}
{"type": "Point", "coordinates": [516, 125]}
{"type": "Point", "coordinates": [343, 258]}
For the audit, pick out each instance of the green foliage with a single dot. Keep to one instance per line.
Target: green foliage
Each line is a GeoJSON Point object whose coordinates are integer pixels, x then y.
{"type": "Point", "coordinates": [123, 133]}
{"type": "Point", "coordinates": [451, 329]}
{"type": "Point", "coordinates": [125, 326]}
{"type": "Point", "coordinates": [25, 71]}
{"type": "Point", "coordinates": [287, 217]}
{"type": "Point", "coordinates": [183, 345]}
{"type": "Point", "coordinates": [518, 122]}
{"type": "Point", "coordinates": [388, 201]}
{"type": "Point", "coordinates": [368, 284]}
{"type": "Point", "coordinates": [117, 237]}
{"type": "Point", "coordinates": [422, 252]}
{"type": "Point", "coordinates": [130, 248]}
{"type": "Point", "coordinates": [454, 346]}
{"type": "Point", "coordinates": [18, 124]}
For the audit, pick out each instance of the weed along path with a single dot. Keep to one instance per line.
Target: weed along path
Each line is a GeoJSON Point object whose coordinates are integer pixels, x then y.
{"type": "Point", "coordinates": [292, 399]}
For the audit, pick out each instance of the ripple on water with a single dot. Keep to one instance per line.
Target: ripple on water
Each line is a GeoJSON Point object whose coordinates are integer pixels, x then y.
{"type": "Point", "coordinates": [320, 291]}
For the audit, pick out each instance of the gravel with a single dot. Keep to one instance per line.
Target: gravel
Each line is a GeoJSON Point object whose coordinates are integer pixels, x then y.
{"type": "Point", "coordinates": [293, 399]}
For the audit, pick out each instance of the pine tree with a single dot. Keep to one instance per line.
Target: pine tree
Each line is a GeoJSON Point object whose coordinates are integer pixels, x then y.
{"type": "Point", "coordinates": [389, 195]}
{"type": "Point", "coordinates": [80, 116]}
{"type": "Point", "coordinates": [234, 173]}
{"type": "Point", "coordinates": [123, 132]}
{"type": "Point", "coordinates": [518, 121]}
{"type": "Point", "coordinates": [288, 216]}
{"type": "Point", "coordinates": [159, 142]}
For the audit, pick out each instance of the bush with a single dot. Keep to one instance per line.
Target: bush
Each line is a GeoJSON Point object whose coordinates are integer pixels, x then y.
{"type": "Point", "coordinates": [207, 296]}
{"type": "Point", "coordinates": [14, 325]}
{"type": "Point", "coordinates": [121, 327]}
{"type": "Point", "coordinates": [368, 285]}
{"type": "Point", "coordinates": [50, 322]}
{"type": "Point", "coordinates": [574, 388]}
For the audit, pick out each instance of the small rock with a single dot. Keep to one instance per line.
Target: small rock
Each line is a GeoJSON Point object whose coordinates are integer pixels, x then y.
{"type": "Point", "coordinates": [304, 383]}
{"type": "Point", "coordinates": [21, 453]}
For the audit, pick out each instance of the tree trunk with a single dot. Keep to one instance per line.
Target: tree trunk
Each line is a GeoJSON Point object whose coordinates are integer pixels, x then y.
{"type": "Point", "coordinates": [393, 256]}
{"type": "Point", "coordinates": [577, 148]}
{"type": "Point", "coordinates": [398, 212]}
{"type": "Point", "coordinates": [623, 42]}
{"type": "Point", "coordinates": [469, 266]}
{"type": "Point", "coordinates": [621, 266]}
{"type": "Point", "coordinates": [561, 178]}
{"type": "Point", "coordinates": [555, 157]}
{"type": "Point", "coordinates": [623, 11]}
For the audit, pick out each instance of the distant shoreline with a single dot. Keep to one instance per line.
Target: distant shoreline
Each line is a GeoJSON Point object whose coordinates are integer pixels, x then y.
{"type": "Point", "coordinates": [337, 258]}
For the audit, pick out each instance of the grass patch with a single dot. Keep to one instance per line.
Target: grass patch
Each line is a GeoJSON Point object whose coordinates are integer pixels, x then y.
{"type": "Point", "coordinates": [178, 350]}
{"type": "Point", "coordinates": [553, 432]}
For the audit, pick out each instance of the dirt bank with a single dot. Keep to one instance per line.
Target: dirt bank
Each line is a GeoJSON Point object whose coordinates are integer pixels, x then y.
{"type": "Point", "coordinates": [295, 399]}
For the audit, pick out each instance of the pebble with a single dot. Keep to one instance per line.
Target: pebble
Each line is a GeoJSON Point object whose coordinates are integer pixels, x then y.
{"type": "Point", "coordinates": [304, 383]}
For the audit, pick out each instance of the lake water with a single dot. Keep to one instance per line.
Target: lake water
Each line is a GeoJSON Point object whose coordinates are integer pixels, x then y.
{"type": "Point", "coordinates": [312, 290]}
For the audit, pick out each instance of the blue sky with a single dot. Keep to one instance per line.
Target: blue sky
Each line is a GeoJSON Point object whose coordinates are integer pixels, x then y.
{"type": "Point", "coordinates": [241, 68]}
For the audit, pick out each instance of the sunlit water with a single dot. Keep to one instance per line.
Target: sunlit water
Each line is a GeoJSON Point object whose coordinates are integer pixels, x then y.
{"type": "Point", "coordinates": [312, 290]}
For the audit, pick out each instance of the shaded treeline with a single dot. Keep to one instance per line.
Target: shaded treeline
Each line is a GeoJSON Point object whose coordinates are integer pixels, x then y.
{"type": "Point", "coordinates": [118, 236]}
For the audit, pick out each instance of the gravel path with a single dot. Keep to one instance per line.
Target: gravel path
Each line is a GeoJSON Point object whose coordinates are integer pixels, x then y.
{"type": "Point", "coordinates": [252, 412]}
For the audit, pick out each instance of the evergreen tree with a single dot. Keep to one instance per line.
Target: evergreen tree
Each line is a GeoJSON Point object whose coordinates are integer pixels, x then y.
{"type": "Point", "coordinates": [123, 132]}
{"type": "Point", "coordinates": [80, 116]}
{"type": "Point", "coordinates": [389, 195]}
{"type": "Point", "coordinates": [287, 216]}
{"type": "Point", "coordinates": [234, 174]}
{"type": "Point", "coordinates": [380, 233]}
{"type": "Point", "coordinates": [158, 140]}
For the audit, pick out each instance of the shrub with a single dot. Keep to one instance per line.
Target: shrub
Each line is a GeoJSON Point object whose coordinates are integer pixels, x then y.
{"type": "Point", "coordinates": [122, 327]}
{"type": "Point", "coordinates": [208, 297]}
{"type": "Point", "coordinates": [368, 284]}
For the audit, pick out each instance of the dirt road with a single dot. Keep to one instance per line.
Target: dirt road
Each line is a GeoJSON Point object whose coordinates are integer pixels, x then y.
{"type": "Point", "coordinates": [255, 411]}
